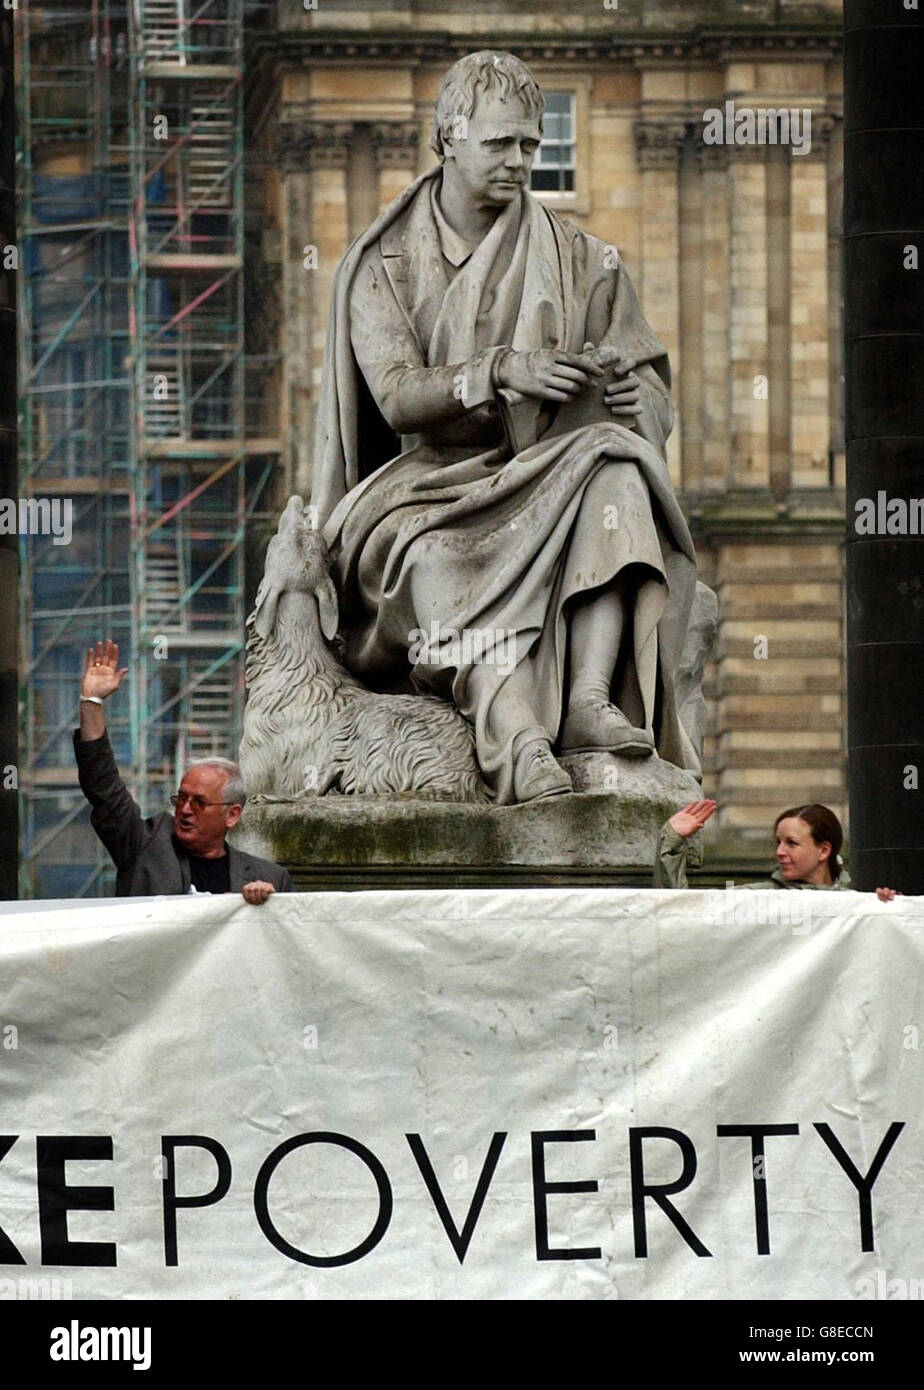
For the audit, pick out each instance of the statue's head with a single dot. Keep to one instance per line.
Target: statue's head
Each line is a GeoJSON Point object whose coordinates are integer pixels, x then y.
{"type": "Point", "coordinates": [488, 123]}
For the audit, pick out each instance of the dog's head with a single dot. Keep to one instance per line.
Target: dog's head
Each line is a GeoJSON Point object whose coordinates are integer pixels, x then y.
{"type": "Point", "coordinates": [296, 563]}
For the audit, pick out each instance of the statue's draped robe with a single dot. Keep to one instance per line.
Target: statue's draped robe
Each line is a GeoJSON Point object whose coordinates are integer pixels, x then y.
{"type": "Point", "coordinates": [486, 520]}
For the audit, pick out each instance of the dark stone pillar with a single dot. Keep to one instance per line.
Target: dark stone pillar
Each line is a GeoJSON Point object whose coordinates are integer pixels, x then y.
{"type": "Point", "coordinates": [884, 365]}
{"type": "Point", "coordinates": [9, 558]}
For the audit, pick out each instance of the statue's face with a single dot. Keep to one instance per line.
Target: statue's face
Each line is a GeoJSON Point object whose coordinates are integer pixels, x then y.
{"type": "Point", "coordinates": [494, 152]}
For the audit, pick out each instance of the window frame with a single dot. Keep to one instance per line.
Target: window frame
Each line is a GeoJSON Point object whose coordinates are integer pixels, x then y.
{"type": "Point", "coordinates": [578, 86]}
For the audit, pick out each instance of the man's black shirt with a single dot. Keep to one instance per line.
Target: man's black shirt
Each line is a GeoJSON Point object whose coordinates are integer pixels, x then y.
{"type": "Point", "coordinates": [210, 875]}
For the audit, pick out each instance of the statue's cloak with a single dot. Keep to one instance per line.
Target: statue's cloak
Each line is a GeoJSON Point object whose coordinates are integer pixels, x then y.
{"type": "Point", "coordinates": [489, 520]}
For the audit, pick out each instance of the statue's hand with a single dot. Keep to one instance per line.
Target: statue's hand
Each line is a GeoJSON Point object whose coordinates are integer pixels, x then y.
{"type": "Point", "coordinates": [622, 391]}
{"type": "Point", "coordinates": [623, 394]}
{"type": "Point", "coordinates": [549, 374]}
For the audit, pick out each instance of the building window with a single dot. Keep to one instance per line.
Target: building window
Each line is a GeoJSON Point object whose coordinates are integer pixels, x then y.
{"type": "Point", "coordinates": [554, 165]}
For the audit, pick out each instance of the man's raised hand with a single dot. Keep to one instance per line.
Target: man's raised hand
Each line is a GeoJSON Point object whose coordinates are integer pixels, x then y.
{"type": "Point", "coordinates": [692, 818]}
{"type": "Point", "coordinates": [549, 374]}
{"type": "Point", "coordinates": [101, 674]}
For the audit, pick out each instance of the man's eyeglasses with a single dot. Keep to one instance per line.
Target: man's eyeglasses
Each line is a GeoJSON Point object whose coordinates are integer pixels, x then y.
{"type": "Point", "coordinates": [198, 803]}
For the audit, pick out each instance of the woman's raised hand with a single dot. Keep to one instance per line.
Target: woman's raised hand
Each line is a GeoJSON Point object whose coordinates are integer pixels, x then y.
{"type": "Point", "coordinates": [692, 818]}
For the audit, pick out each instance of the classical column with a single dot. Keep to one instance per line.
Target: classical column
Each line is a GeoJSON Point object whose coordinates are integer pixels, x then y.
{"type": "Point", "coordinates": [313, 155]}
{"type": "Point", "coordinates": [689, 386]}
{"type": "Point", "coordinates": [779, 368]}
{"type": "Point", "coordinates": [810, 413]}
{"type": "Point", "coordinates": [396, 148]}
{"type": "Point", "coordinates": [658, 143]}
{"type": "Point", "coordinates": [714, 338]}
{"type": "Point", "coordinates": [748, 338]}
{"type": "Point", "coordinates": [835, 168]}
{"type": "Point", "coordinates": [884, 362]}
{"type": "Point", "coordinates": [9, 487]}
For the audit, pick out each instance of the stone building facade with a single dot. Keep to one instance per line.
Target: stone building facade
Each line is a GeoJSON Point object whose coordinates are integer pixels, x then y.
{"type": "Point", "coordinates": [734, 249]}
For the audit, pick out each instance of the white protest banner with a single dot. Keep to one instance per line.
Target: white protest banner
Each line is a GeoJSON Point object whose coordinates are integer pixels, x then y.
{"type": "Point", "coordinates": [491, 1094]}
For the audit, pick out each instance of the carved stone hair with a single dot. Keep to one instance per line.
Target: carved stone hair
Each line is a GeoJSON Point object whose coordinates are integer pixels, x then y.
{"type": "Point", "coordinates": [487, 71]}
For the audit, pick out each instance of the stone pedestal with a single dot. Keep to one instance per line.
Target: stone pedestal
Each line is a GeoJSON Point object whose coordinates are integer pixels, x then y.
{"type": "Point", "coordinates": [605, 832]}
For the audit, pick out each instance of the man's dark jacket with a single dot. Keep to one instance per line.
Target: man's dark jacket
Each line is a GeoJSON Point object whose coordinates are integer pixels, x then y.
{"type": "Point", "coordinates": [148, 858]}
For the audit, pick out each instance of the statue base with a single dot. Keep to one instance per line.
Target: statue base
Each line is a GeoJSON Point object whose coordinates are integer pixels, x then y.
{"type": "Point", "coordinates": [605, 833]}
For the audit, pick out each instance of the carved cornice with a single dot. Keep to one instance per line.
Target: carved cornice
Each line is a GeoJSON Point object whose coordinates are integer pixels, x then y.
{"type": "Point", "coordinates": [712, 44]}
{"type": "Point", "coordinates": [658, 142]}
{"type": "Point", "coordinates": [395, 144]}
{"type": "Point", "coordinates": [305, 142]}
{"type": "Point", "coordinates": [313, 144]}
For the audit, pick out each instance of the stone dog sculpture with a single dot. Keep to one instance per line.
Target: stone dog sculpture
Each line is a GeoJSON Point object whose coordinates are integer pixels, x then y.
{"type": "Point", "coordinates": [489, 463]}
{"type": "Point", "coordinates": [309, 726]}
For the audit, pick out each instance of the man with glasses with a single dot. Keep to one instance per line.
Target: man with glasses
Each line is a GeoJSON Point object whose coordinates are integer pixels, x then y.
{"type": "Point", "coordinates": [180, 853]}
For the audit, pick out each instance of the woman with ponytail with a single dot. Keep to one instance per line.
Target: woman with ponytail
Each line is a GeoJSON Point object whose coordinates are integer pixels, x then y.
{"type": "Point", "coordinates": [808, 845]}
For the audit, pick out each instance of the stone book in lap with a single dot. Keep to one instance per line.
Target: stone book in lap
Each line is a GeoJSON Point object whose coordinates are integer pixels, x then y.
{"type": "Point", "coordinates": [524, 422]}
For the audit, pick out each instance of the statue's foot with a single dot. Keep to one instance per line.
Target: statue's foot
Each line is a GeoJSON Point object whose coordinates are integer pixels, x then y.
{"type": "Point", "coordinates": [536, 774]}
{"type": "Point", "coordinates": [598, 726]}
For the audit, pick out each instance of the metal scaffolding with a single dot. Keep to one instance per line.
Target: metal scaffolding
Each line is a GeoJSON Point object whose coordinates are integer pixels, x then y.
{"type": "Point", "coordinates": [188, 360]}
{"type": "Point", "coordinates": [133, 398]}
{"type": "Point", "coordinates": [75, 408]}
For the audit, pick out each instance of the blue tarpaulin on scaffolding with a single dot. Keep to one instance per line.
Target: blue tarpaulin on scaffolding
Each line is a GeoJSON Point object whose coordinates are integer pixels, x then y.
{"type": "Point", "coordinates": [68, 198]}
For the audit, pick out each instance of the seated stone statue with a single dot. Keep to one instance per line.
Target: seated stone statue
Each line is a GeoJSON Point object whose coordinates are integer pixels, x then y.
{"type": "Point", "coordinates": [490, 474]}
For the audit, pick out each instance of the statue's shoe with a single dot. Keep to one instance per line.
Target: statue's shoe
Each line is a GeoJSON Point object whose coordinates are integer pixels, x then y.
{"type": "Point", "coordinates": [537, 775]}
{"type": "Point", "coordinates": [598, 726]}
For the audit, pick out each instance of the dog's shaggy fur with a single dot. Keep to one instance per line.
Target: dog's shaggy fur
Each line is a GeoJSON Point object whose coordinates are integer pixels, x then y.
{"type": "Point", "coordinates": [312, 727]}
